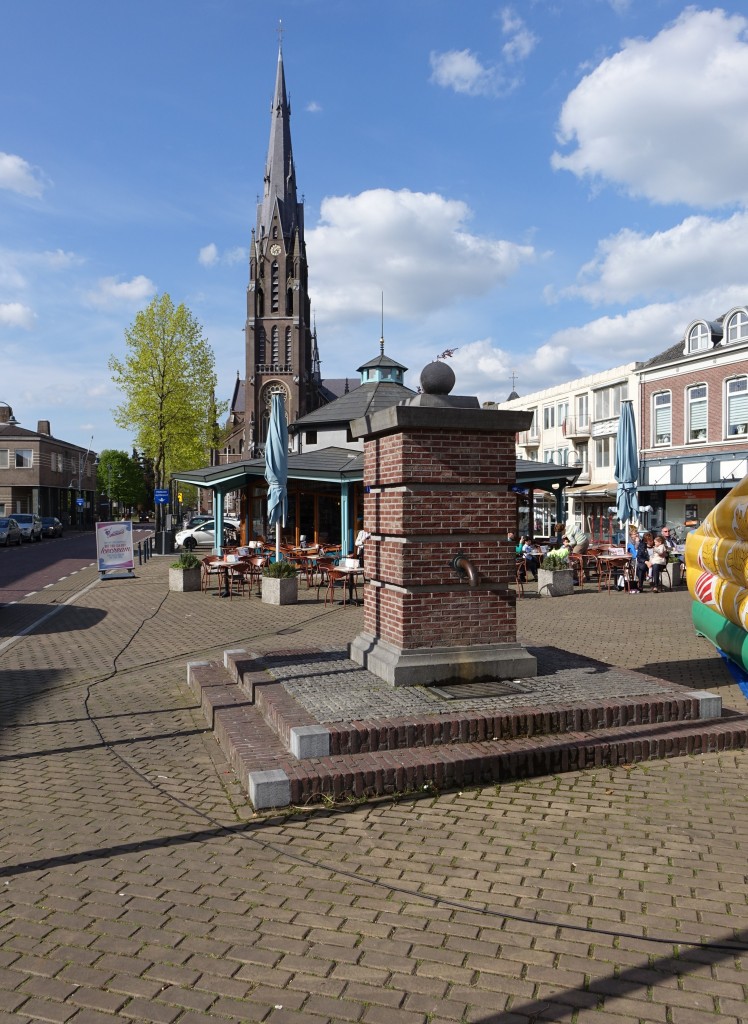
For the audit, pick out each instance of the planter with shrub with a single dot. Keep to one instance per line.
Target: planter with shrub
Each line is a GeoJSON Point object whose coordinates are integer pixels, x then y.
{"type": "Point", "coordinates": [184, 574]}
{"type": "Point", "coordinates": [555, 575]}
{"type": "Point", "coordinates": [280, 583]}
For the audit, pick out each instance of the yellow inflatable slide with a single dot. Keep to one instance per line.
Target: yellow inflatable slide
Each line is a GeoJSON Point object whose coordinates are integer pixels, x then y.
{"type": "Point", "coordinates": [717, 575]}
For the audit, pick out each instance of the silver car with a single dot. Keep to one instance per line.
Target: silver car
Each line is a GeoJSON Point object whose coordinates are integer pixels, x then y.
{"type": "Point", "coordinates": [10, 532]}
{"type": "Point", "coordinates": [30, 524]}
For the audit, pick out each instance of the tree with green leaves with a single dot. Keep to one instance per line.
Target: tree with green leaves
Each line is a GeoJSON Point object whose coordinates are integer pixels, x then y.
{"type": "Point", "coordinates": [169, 380]}
{"type": "Point", "coordinates": [121, 478]}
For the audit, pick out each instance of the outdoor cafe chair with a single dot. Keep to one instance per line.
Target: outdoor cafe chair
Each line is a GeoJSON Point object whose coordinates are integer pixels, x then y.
{"type": "Point", "coordinates": [322, 569]}
{"type": "Point", "coordinates": [209, 571]}
{"type": "Point", "coordinates": [240, 578]}
{"type": "Point", "coordinates": [345, 581]}
{"type": "Point", "coordinates": [257, 564]}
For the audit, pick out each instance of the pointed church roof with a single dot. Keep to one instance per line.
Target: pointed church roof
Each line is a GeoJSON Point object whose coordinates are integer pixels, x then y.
{"type": "Point", "coordinates": [280, 174]}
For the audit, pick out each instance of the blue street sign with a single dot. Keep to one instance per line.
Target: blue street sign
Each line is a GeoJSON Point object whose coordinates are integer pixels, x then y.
{"type": "Point", "coordinates": [80, 501]}
{"type": "Point", "coordinates": [161, 496]}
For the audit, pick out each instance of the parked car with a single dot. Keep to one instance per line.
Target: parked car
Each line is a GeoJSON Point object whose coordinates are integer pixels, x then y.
{"type": "Point", "coordinates": [30, 524]}
{"type": "Point", "coordinates": [51, 526]}
{"type": "Point", "coordinates": [194, 521]}
{"type": "Point", "coordinates": [10, 532]}
{"type": "Point", "coordinates": [203, 535]}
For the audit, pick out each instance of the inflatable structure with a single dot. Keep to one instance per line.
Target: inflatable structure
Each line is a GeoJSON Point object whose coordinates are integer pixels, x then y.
{"type": "Point", "coordinates": [717, 575]}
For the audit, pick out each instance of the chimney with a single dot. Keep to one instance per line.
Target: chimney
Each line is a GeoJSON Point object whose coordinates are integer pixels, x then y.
{"type": "Point", "coordinates": [42, 427]}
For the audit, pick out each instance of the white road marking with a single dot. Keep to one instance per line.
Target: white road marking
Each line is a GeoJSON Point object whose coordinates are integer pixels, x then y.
{"type": "Point", "coordinates": [47, 615]}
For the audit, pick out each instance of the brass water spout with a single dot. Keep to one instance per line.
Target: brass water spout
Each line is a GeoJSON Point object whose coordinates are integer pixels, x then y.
{"type": "Point", "coordinates": [464, 567]}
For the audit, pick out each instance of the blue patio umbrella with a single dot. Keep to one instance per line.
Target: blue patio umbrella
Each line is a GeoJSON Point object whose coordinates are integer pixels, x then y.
{"type": "Point", "coordinates": [626, 469]}
{"type": "Point", "coordinates": [276, 468]}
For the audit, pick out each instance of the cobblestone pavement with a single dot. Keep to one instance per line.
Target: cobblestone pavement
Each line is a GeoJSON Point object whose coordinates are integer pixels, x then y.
{"type": "Point", "coordinates": [136, 885]}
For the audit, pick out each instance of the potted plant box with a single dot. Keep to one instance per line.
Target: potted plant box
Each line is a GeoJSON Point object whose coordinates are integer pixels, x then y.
{"type": "Point", "coordinates": [280, 583]}
{"type": "Point", "coordinates": [184, 575]}
{"type": "Point", "coordinates": [555, 576]}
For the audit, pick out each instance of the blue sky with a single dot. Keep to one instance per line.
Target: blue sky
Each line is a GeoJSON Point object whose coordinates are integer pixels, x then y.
{"type": "Point", "coordinates": [550, 186]}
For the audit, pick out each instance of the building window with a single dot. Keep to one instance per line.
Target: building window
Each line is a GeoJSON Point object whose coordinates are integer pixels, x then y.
{"type": "Point", "coordinates": [261, 345]}
{"type": "Point", "coordinates": [696, 412]}
{"type": "Point", "coordinates": [274, 354]}
{"type": "Point", "coordinates": [698, 338]}
{"type": "Point", "coordinates": [4, 458]}
{"type": "Point", "coordinates": [24, 458]}
{"type": "Point", "coordinates": [602, 452]}
{"type": "Point", "coordinates": [311, 436]}
{"type": "Point", "coordinates": [289, 347]}
{"type": "Point", "coordinates": [608, 401]}
{"type": "Point", "coordinates": [562, 411]}
{"type": "Point", "coordinates": [549, 419]}
{"type": "Point", "coordinates": [534, 425]}
{"type": "Point", "coordinates": [662, 418]}
{"type": "Point", "coordinates": [583, 411]}
{"type": "Point", "coordinates": [737, 327]}
{"type": "Point", "coordinates": [274, 286]}
{"type": "Point", "coordinates": [737, 407]}
{"type": "Point", "coordinates": [582, 456]}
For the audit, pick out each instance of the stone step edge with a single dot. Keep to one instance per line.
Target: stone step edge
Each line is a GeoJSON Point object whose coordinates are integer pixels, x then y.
{"type": "Point", "coordinates": [274, 778]}
{"type": "Point", "coordinates": [305, 737]}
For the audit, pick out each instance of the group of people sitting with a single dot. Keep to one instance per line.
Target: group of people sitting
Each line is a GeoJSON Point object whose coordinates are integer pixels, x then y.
{"type": "Point", "coordinates": [651, 553]}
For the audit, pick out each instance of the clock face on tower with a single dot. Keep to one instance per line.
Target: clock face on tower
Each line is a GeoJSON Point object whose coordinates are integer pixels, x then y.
{"type": "Point", "coordinates": [275, 250]}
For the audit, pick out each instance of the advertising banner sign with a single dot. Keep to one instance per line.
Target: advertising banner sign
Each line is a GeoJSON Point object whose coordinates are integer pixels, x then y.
{"type": "Point", "coordinates": [114, 546]}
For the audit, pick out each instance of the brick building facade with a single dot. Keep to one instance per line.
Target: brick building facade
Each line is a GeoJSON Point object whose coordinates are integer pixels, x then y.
{"type": "Point", "coordinates": [43, 474]}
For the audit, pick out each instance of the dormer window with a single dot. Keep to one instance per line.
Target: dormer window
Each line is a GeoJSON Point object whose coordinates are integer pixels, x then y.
{"type": "Point", "coordinates": [737, 327]}
{"type": "Point", "coordinates": [698, 338]}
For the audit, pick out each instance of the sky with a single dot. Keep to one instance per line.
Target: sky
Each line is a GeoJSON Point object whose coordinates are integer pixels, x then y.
{"type": "Point", "coordinates": [548, 187]}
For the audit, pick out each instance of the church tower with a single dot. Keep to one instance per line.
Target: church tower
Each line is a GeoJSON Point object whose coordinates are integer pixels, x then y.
{"type": "Point", "coordinates": [281, 347]}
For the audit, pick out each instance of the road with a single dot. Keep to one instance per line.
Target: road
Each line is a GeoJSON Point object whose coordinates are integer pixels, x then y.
{"type": "Point", "coordinates": [31, 568]}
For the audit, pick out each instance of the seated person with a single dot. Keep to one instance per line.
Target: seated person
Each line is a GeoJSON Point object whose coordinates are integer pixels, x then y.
{"type": "Point", "coordinates": [528, 553]}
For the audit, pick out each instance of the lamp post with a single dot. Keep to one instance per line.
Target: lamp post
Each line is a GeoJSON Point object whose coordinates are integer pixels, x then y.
{"type": "Point", "coordinates": [82, 460]}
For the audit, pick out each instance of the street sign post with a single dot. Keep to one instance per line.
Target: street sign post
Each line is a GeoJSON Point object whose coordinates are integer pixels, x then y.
{"type": "Point", "coordinates": [161, 496]}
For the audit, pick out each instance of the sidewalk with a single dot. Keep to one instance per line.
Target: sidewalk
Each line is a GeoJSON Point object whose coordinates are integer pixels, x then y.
{"type": "Point", "coordinates": [138, 886]}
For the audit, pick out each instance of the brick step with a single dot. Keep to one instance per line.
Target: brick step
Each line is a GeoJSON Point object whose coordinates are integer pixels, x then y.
{"type": "Point", "coordinates": [274, 777]}
{"type": "Point", "coordinates": [287, 718]}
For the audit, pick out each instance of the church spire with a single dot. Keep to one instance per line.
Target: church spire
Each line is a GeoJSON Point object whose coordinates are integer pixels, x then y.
{"type": "Point", "coordinates": [280, 174]}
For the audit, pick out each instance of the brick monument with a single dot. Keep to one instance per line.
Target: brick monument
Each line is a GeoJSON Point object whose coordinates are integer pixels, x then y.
{"type": "Point", "coordinates": [438, 471]}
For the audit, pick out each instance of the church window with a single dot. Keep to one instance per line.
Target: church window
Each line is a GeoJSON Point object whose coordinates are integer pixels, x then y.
{"type": "Point", "coordinates": [274, 357]}
{"type": "Point", "coordinates": [289, 350]}
{"type": "Point", "coordinates": [274, 286]}
{"type": "Point", "coordinates": [289, 302]}
{"type": "Point", "coordinates": [260, 344]}
{"type": "Point", "coordinates": [260, 302]}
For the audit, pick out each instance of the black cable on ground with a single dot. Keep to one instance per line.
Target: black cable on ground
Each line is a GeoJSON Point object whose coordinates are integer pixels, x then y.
{"type": "Point", "coordinates": [437, 900]}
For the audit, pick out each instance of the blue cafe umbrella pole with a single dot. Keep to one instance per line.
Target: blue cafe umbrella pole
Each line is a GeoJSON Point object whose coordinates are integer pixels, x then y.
{"type": "Point", "coordinates": [626, 469]}
{"type": "Point", "coordinates": [276, 469]}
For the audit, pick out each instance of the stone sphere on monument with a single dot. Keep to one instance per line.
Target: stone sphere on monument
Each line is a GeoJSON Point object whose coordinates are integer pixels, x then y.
{"type": "Point", "coordinates": [437, 378]}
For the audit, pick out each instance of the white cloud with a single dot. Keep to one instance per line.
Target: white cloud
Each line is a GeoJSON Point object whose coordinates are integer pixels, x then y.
{"type": "Point", "coordinates": [462, 71]}
{"type": "Point", "coordinates": [17, 175]}
{"type": "Point", "coordinates": [484, 369]}
{"type": "Point", "coordinates": [413, 246]}
{"type": "Point", "coordinates": [111, 292]}
{"type": "Point", "coordinates": [521, 40]}
{"type": "Point", "coordinates": [313, 107]}
{"type": "Point", "coordinates": [15, 264]}
{"type": "Point", "coordinates": [643, 332]}
{"type": "Point", "coordinates": [208, 255]}
{"type": "Point", "coordinates": [665, 118]}
{"type": "Point", "coordinates": [14, 314]}
{"type": "Point", "coordinates": [698, 253]}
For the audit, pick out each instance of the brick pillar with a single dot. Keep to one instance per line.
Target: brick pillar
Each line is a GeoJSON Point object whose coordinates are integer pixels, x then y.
{"type": "Point", "coordinates": [437, 479]}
